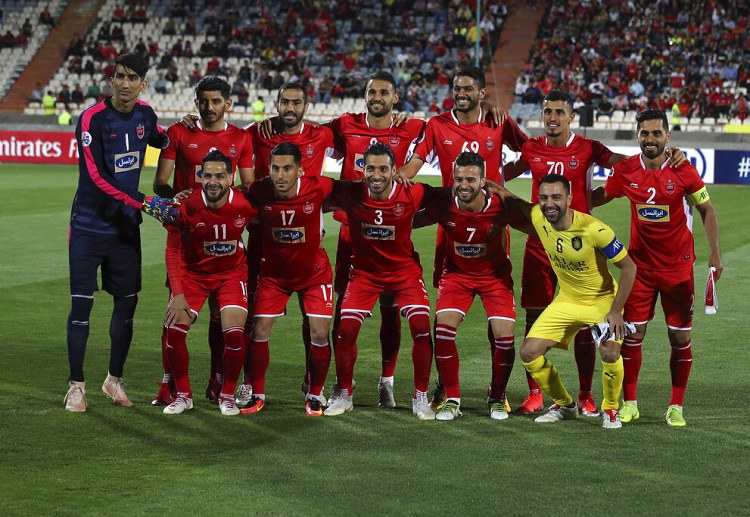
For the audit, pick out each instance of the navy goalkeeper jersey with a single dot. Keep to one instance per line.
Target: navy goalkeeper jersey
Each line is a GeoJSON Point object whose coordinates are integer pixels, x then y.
{"type": "Point", "coordinates": [111, 148]}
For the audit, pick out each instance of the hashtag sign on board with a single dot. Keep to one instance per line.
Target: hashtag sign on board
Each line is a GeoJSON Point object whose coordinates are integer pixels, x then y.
{"type": "Point", "coordinates": [744, 167]}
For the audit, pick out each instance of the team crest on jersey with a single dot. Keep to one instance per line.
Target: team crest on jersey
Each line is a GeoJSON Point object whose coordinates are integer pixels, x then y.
{"type": "Point", "coordinates": [219, 248]}
{"type": "Point", "coordinates": [398, 209]}
{"type": "Point", "coordinates": [308, 208]}
{"type": "Point", "coordinates": [394, 141]}
{"type": "Point", "coordinates": [669, 186]}
{"type": "Point", "coordinates": [573, 163]}
{"type": "Point", "coordinates": [577, 243]}
{"type": "Point", "coordinates": [309, 151]}
{"type": "Point", "coordinates": [140, 130]}
{"type": "Point", "coordinates": [233, 152]}
{"type": "Point", "coordinates": [239, 222]}
{"type": "Point", "coordinates": [490, 145]}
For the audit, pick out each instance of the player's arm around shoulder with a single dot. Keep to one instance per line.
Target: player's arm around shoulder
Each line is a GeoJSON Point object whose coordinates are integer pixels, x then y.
{"type": "Point", "coordinates": [611, 189]}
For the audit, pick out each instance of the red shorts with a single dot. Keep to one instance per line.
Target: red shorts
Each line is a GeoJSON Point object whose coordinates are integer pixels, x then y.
{"type": "Point", "coordinates": [538, 280]}
{"type": "Point", "coordinates": [254, 254]}
{"type": "Point", "coordinates": [677, 290]}
{"type": "Point", "coordinates": [343, 260]}
{"type": "Point", "coordinates": [272, 296]}
{"type": "Point", "coordinates": [457, 292]}
{"type": "Point", "coordinates": [362, 293]}
{"type": "Point", "coordinates": [229, 290]}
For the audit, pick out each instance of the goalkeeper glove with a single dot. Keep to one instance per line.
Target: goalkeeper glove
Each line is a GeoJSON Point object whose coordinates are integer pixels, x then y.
{"type": "Point", "coordinates": [160, 208]}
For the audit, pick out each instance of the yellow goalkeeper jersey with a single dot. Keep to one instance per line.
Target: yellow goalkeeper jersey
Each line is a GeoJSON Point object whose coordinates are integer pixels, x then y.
{"type": "Point", "coordinates": [579, 256]}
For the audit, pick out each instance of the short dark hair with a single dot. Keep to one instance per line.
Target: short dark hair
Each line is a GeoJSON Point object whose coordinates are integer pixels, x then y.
{"type": "Point", "coordinates": [559, 95]}
{"type": "Point", "coordinates": [382, 75]}
{"type": "Point", "coordinates": [135, 62]}
{"type": "Point", "coordinates": [212, 83]}
{"type": "Point", "coordinates": [474, 72]}
{"type": "Point", "coordinates": [214, 155]}
{"type": "Point", "coordinates": [652, 114]}
{"type": "Point", "coordinates": [288, 149]}
{"type": "Point", "coordinates": [292, 86]}
{"type": "Point", "coordinates": [467, 158]}
{"type": "Point", "coordinates": [380, 149]}
{"type": "Point", "coordinates": [556, 178]}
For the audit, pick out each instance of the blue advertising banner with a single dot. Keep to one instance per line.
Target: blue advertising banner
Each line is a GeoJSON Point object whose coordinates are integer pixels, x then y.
{"type": "Point", "coordinates": [732, 167]}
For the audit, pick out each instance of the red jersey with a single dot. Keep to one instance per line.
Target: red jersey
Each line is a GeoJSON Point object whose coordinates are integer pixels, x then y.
{"type": "Point", "coordinates": [187, 148]}
{"type": "Point", "coordinates": [292, 230]}
{"type": "Point", "coordinates": [575, 161]}
{"type": "Point", "coordinates": [211, 238]}
{"type": "Point", "coordinates": [353, 135]}
{"type": "Point", "coordinates": [314, 142]}
{"type": "Point", "coordinates": [381, 229]}
{"type": "Point", "coordinates": [477, 240]}
{"type": "Point", "coordinates": [446, 137]}
{"type": "Point", "coordinates": [661, 234]}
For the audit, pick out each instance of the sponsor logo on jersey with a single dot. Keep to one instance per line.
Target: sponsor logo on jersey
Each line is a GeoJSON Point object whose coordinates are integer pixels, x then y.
{"type": "Point", "coordinates": [239, 222]}
{"type": "Point", "coordinates": [140, 130]}
{"type": "Point", "coordinates": [634, 185]}
{"type": "Point", "coordinates": [308, 208]}
{"type": "Point", "coordinates": [219, 248]}
{"type": "Point", "coordinates": [653, 213]}
{"type": "Point", "coordinates": [470, 251]}
{"type": "Point", "coordinates": [359, 162]}
{"type": "Point", "coordinates": [233, 152]}
{"type": "Point", "coordinates": [288, 235]}
{"type": "Point", "coordinates": [447, 142]}
{"type": "Point", "coordinates": [85, 139]}
{"type": "Point", "coordinates": [310, 151]}
{"type": "Point", "coordinates": [669, 186]}
{"type": "Point", "coordinates": [394, 141]}
{"type": "Point", "coordinates": [490, 144]}
{"type": "Point", "coordinates": [536, 160]}
{"type": "Point", "coordinates": [398, 209]}
{"type": "Point", "coordinates": [577, 243]}
{"type": "Point", "coordinates": [378, 232]}
{"type": "Point", "coordinates": [573, 163]}
{"type": "Point", "coordinates": [127, 161]}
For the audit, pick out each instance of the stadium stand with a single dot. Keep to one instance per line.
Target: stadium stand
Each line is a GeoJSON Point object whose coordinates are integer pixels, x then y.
{"type": "Point", "coordinates": [689, 58]}
{"type": "Point", "coordinates": [329, 46]}
{"type": "Point", "coordinates": [24, 25]}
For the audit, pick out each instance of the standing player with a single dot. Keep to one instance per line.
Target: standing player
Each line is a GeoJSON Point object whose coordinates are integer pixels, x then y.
{"type": "Point", "coordinates": [380, 213]}
{"type": "Point", "coordinates": [353, 134]}
{"type": "Point", "coordinates": [290, 207]}
{"type": "Point", "coordinates": [662, 245]}
{"type": "Point", "coordinates": [184, 156]}
{"type": "Point", "coordinates": [451, 133]}
{"type": "Point", "coordinates": [205, 257]}
{"type": "Point", "coordinates": [578, 246]}
{"type": "Point", "coordinates": [104, 223]}
{"type": "Point", "coordinates": [477, 264]}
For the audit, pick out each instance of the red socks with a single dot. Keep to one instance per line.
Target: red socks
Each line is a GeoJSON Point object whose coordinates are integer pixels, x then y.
{"type": "Point", "coordinates": [259, 358]}
{"type": "Point", "coordinates": [319, 360]}
{"type": "Point", "coordinates": [585, 353]}
{"type": "Point", "coordinates": [234, 354]}
{"type": "Point", "coordinates": [421, 352]}
{"type": "Point", "coordinates": [346, 348]}
{"type": "Point", "coordinates": [216, 344]}
{"type": "Point", "coordinates": [165, 352]}
{"type": "Point", "coordinates": [632, 357]}
{"type": "Point", "coordinates": [179, 358]}
{"type": "Point", "coordinates": [390, 338]}
{"type": "Point", "coordinates": [503, 356]}
{"type": "Point", "coordinates": [446, 357]}
{"type": "Point", "coordinates": [680, 363]}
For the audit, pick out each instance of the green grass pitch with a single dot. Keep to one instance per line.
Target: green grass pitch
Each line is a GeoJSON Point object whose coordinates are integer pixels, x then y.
{"type": "Point", "coordinates": [138, 461]}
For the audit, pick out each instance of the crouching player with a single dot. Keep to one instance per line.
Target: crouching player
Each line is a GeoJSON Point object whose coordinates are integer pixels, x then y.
{"type": "Point", "coordinates": [205, 257]}
{"type": "Point", "coordinates": [477, 264]}
{"type": "Point", "coordinates": [290, 208]}
{"type": "Point", "coordinates": [578, 246]}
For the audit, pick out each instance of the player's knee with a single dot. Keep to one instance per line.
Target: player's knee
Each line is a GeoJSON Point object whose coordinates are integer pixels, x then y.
{"type": "Point", "coordinates": [262, 329]}
{"type": "Point", "coordinates": [80, 308]}
{"type": "Point", "coordinates": [678, 337]}
{"type": "Point", "coordinates": [529, 352]}
{"type": "Point", "coordinates": [609, 351]}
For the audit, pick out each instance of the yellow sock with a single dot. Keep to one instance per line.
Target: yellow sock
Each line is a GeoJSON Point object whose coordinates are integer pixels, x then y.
{"type": "Point", "coordinates": [612, 382]}
{"type": "Point", "coordinates": [546, 376]}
